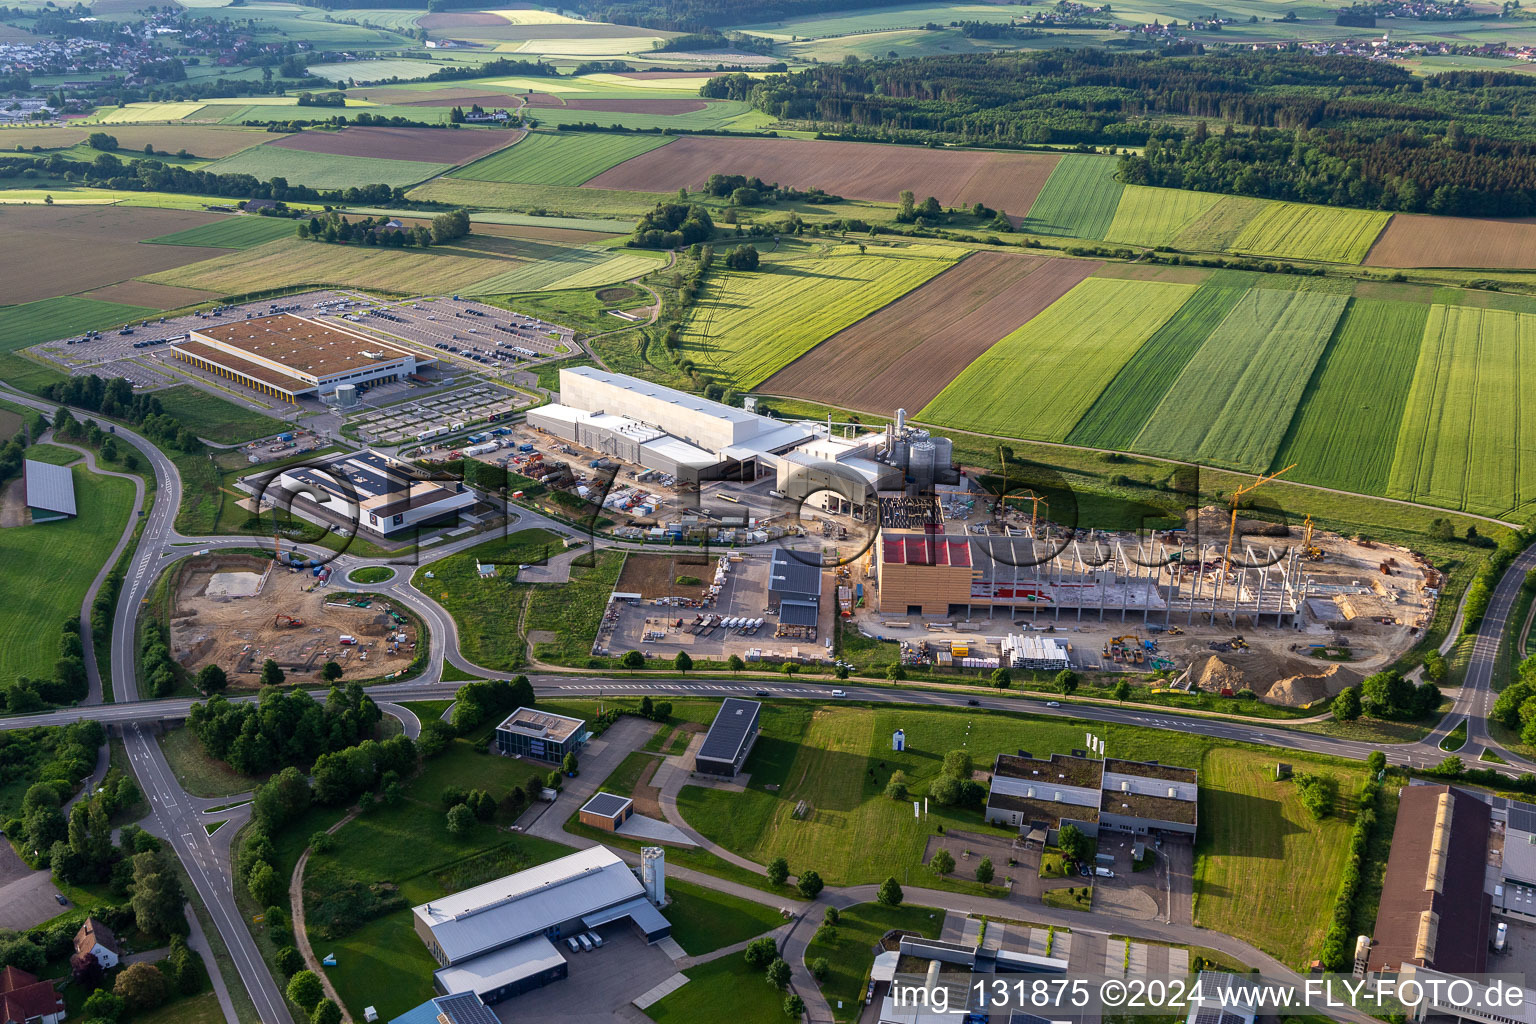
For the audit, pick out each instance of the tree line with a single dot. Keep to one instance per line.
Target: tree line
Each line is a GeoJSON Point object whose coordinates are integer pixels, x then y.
{"type": "Point", "coordinates": [1318, 128]}
{"type": "Point", "coordinates": [331, 226]}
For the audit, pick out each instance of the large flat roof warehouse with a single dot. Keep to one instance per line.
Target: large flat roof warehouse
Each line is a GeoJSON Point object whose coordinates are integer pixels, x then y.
{"type": "Point", "coordinates": [318, 349]}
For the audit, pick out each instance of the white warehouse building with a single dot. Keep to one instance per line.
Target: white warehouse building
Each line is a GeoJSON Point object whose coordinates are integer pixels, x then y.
{"type": "Point", "coordinates": [377, 492]}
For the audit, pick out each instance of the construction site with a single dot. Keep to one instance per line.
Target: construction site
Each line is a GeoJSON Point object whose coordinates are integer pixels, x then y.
{"type": "Point", "coordinates": [236, 611]}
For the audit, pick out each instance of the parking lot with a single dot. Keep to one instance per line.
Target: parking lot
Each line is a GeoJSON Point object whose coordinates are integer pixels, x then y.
{"type": "Point", "coordinates": [601, 983]}
{"type": "Point", "coordinates": [438, 415]}
{"type": "Point", "coordinates": [464, 332]}
{"type": "Point", "coordinates": [112, 353]}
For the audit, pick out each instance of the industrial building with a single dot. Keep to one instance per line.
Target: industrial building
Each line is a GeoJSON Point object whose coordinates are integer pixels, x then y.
{"type": "Point", "coordinates": [1435, 908]}
{"type": "Point", "coordinates": [1041, 796]}
{"type": "Point", "coordinates": [540, 735]}
{"type": "Point", "coordinates": [606, 811]}
{"type": "Point", "coordinates": [955, 967]}
{"type": "Point", "coordinates": [665, 430]}
{"type": "Point", "coordinates": [730, 737]}
{"type": "Point", "coordinates": [464, 1008]}
{"type": "Point", "coordinates": [48, 490]}
{"type": "Point", "coordinates": [289, 357]}
{"type": "Point", "coordinates": [794, 589]}
{"type": "Point", "coordinates": [926, 570]}
{"type": "Point", "coordinates": [496, 940]}
{"type": "Point", "coordinates": [376, 492]}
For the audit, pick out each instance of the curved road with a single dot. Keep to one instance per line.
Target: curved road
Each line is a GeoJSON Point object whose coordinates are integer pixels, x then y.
{"type": "Point", "coordinates": [180, 818]}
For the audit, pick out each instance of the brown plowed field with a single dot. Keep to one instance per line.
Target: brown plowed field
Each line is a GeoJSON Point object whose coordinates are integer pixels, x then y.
{"type": "Point", "coordinates": [618, 106]}
{"type": "Point", "coordinates": [853, 170]}
{"type": "Point", "coordinates": [75, 248]}
{"type": "Point", "coordinates": [156, 296]}
{"type": "Point", "coordinates": [1416, 240]}
{"type": "Point", "coordinates": [902, 356]}
{"type": "Point", "coordinates": [48, 138]}
{"type": "Point", "coordinates": [431, 145]}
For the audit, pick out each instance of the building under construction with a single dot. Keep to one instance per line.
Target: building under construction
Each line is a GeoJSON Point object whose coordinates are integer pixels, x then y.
{"type": "Point", "coordinates": [1059, 580]}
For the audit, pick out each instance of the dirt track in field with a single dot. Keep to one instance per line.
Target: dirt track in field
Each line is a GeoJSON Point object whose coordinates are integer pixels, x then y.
{"type": "Point", "coordinates": [853, 170]}
{"type": "Point", "coordinates": [430, 145]}
{"type": "Point", "coordinates": [76, 248]}
{"type": "Point", "coordinates": [902, 356]}
{"type": "Point", "coordinates": [1416, 240]}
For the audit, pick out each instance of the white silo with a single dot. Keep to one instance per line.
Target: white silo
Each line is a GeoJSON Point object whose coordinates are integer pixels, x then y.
{"type": "Point", "coordinates": [653, 874]}
{"type": "Point", "coordinates": [901, 420]}
{"type": "Point", "coordinates": [943, 454]}
{"type": "Point", "coordinates": [920, 466]}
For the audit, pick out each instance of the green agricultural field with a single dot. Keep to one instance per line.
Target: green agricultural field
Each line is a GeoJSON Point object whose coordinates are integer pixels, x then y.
{"type": "Point", "coordinates": [1157, 216]}
{"type": "Point", "coordinates": [1218, 226]}
{"type": "Point", "coordinates": [49, 319]}
{"type": "Point", "coordinates": [1114, 420]}
{"type": "Point", "coordinates": [214, 419]}
{"type": "Point", "coordinates": [379, 69]}
{"type": "Point", "coordinates": [578, 308]}
{"type": "Point", "coordinates": [1468, 435]}
{"type": "Point", "coordinates": [325, 170]}
{"type": "Point", "coordinates": [1259, 847]}
{"type": "Point", "coordinates": [1079, 198]}
{"type": "Point", "coordinates": [877, 19]}
{"type": "Point", "coordinates": [1299, 232]}
{"type": "Point", "coordinates": [1040, 380]}
{"type": "Point", "coordinates": [1345, 431]}
{"type": "Point", "coordinates": [748, 326]}
{"type": "Point", "coordinates": [486, 610]}
{"type": "Point", "coordinates": [559, 158]}
{"type": "Point", "coordinates": [1234, 400]}
{"type": "Point", "coordinates": [231, 233]}
{"type": "Point", "coordinates": [572, 268]}
{"type": "Point", "coordinates": [53, 565]}
{"type": "Point", "coordinates": [560, 199]}
{"type": "Point", "coordinates": [733, 114]}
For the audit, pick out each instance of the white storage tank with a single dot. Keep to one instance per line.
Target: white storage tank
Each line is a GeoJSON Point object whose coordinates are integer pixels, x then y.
{"type": "Point", "coordinates": [346, 395]}
{"type": "Point", "coordinates": [943, 453]}
{"type": "Point", "coordinates": [653, 874]}
{"type": "Point", "coordinates": [921, 464]}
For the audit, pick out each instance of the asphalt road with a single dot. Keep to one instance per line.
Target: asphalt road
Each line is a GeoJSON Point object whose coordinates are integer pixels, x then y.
{"type": "Point", "coordinates": [176, 816]}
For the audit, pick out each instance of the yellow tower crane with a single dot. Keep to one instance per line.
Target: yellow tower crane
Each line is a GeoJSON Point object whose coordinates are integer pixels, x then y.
{"type": "Point", "coordinates": [1237, 496]}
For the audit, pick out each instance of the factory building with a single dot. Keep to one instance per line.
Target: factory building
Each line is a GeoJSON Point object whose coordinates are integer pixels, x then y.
{"type": "Point", "coordinates": [290, 357]}
{"type": "Point", "coordinates": [48, 491]}
{"type": "Point", "coordinates": [730, 738]}
{"type": "Point", "coordinates": [794, 589]}
{"type": "Point", "coordinates": [663, 429]}
{"type": "Point", "coordinates": [1039, 797]}
{"type": "Point", "coordinates": [376, 492]}
{"type": "Point", "coordinates": [497, 940]}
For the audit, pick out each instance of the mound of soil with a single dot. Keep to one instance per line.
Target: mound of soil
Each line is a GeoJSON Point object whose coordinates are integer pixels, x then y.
{"type": "Point", "coordinates": [1275, 679]}
{"type": "Point", "coordinates": [618, 294]}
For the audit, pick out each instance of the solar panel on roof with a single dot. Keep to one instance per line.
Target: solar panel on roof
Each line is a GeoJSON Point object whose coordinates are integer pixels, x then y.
{"type": "Point", "coordinates": [1522, 816]}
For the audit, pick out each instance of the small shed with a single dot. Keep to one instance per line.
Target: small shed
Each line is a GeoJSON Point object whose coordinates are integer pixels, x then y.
{"type": "Point", "coordinates": [606, 811]}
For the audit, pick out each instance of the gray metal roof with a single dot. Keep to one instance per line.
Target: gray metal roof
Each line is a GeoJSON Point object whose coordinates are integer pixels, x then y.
{"type": "Point", "coordinates": [646, 917]}
{"type": "Point", "coordinates": [606, 804]}
{"type": "Point", "coordinates": [798, 612]}
{"type": "Point", "coordinates": [505, 966]}
{"type": "Point", "coordinates": [49, 487]}
{"type": "Point", "coordinates": [789, 575]}
{"type": "Point", "coordinates": [732, 725]}
{"type": "Point", "coordinates": [500, 912]}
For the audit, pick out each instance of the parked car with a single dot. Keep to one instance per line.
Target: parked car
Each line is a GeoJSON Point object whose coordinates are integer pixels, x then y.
{"type": "Point", "coordinates": [586, 944]}
{"type": "Point", "coordinates": [59, 897]}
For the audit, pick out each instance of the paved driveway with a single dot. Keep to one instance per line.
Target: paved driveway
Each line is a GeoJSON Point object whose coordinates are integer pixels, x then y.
{"type": "Point", "coordinates": [26, 896]}
{"type": "Point", "coordinates": [601, 983]}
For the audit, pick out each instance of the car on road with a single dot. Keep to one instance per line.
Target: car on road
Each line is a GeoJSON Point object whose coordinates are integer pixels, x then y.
{"type": "Point", "coordinates": [839, 693]}
{"type": "Point", "coordinates": [973, 702]}
{"type": "Point", "coordinates": [761, 693]}
{"type": "Point", "coordinates": [1053, 703]}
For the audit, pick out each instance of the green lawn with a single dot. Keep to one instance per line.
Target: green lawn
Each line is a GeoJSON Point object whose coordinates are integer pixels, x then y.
{"type": "Point", "coordinates": [383, 963]}
{"type": "Point", "coordinates": [573, 611]}
{"type": "Point", "coordinates": [214, 419]}
{"type": "Point", "coordinates": [1073, 897]}
{"type": "Point", "coordinates": [52, 454]}
{"type": "Point", "coordinates": [578, 308]}
{"type": "Point", "coordinates": [51, 565]}
{"type": "Point", "coordinates": [1260, 848]}
{"type": "Point", "coordinates": [49, 319]}
{"type": "Point", "coordinates": [486, 610]}
{"type": "Point", "coordinates": [324, 170]}
{"type": "Point", "coordinates": [849, 948]}
{"type": "Point", "coordinates": [1079, 198]}
{"type": "Point", "coordinates": [704, 920]}
{"type": "Point", "coordinates": [371, 574]}
{"type": "Point", "coordinates": [560, 158]}
{"type": "Point", "coordinates": [198, 773]}
{"type": "Point", "coordinates": [240, 232]}
{"type": "Point", "coordinates": [724, 985]}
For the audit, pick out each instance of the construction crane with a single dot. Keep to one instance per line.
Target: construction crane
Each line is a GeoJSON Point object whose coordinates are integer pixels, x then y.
{"type": "Point", "coordinates": [1237, 496]}
{"type": "Point", "coordinates": [1035, 501]}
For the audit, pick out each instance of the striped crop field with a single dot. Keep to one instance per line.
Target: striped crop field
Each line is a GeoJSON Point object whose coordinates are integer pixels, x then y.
{"type": "Point", "coordinates": [1040, 380]}
{"type": "Point", "coordinates": [748, 326]}
{"type": "Point", "coordinates": [559, 158]}
{"type": "Point", "coordinates": [1079, 198]}
{"type": "Point", "coordinates": [1300, 232]}
{"type": "Point", "coordinates": [325, 170]}
{"type": "Point", "coordinates": [136, 112]}
{"type": "Point", "coordinates": [29, 323]}
{"type": "Point", "coordinates": [1218, 227]}
{"type": "Point", "coordinates": [1157, 216]}
{"type": "Point", "coordinates": [1235, 398]}
{"type": "Point", "coordinates": [1468, 435]}
{"type": "Point", "coordinates": [231, 233]}
{"type": "Point", "coordinates": [1114, 420]}
{"type": "Point", "coordinates": [570, 268]}
{"type": "Point", "coordinates": [1345, 430]}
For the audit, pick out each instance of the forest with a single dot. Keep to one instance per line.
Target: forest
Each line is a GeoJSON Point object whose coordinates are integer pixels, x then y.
{"type": "Point", "coordinates": [1283, 125]}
